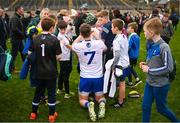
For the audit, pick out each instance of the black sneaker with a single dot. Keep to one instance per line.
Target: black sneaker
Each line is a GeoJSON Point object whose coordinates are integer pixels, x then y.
{"type": "Point", "coordinates": [117, 105]}
{"type": "Point", "coordinates": [137, 83]}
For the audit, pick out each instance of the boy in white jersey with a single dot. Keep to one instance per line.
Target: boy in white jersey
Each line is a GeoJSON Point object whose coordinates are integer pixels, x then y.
{"type": "Point", "coordinates": [90, 53]}
{"type": "Point", "coordinates": [65, 61]}
{"type": "Point", "coordinates": [121, 58]}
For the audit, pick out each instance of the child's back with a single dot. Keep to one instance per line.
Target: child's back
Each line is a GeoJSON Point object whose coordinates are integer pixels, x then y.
{"type": "Point", "coordinates": [46, 47]}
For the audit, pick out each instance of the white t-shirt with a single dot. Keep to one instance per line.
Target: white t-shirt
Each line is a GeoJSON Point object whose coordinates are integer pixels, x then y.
{"type": "Point", "coordinates": [120, 43]}
{"type": "Point", "coordinates": [90, 58]}
{"type": "Point", "coordinates": [65, 56]}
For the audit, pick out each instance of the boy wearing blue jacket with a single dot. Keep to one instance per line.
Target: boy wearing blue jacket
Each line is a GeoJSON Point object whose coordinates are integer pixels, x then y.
{"type": "Point", "coordinates": [134, 45]}
{"type": "Point", "coordinates": [158, 65]}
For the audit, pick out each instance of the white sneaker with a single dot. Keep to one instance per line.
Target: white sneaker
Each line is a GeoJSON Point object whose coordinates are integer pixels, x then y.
{"type": "Point", "coordinates": [60, 91]}
{"type": "Point", "coordinates": [92, 113]}
{"type": "Point", "coordinates": [101, 113]}
{"type": "Point", "coordinates": [72, 93]}
{"type": "Point", "coordinates": [67, 96]}
{"type": "Point", "coordinates": [137, 82]}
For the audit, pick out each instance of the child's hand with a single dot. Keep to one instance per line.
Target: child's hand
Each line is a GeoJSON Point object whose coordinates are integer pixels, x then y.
{"type": "Point", "coordinates": [145, 68]}
{"type": "Point", "coordinates": [95, 35]}
{"type": "Point", "coordinates": [141, 64]}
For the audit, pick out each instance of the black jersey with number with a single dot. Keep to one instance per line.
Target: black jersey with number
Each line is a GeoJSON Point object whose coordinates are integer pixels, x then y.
{"type": "Point", "coordinates": [45, 47]}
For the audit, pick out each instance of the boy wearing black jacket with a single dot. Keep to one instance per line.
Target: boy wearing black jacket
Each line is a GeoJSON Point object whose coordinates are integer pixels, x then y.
{"type": "Point", "coordinates": [46, 48]}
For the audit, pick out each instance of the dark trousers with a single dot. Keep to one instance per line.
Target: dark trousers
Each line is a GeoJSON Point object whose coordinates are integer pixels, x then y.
{"type": "Point", "coordinates": [17, 45]}
{"type": "Point", "coordinates": [133, 63]}
{"type": "Point", "coordinates": [50, 85]}
{"type": "Point", "coordinates": [139, 29]}
{"type": "Point", "coordinates": [159, 94]}
{"type": "Point", "coordinates": [65, 71]}
{"type": "Point", "coordinates": [108, 55]}
{"type": "Point", "coordinates": [3, 44]}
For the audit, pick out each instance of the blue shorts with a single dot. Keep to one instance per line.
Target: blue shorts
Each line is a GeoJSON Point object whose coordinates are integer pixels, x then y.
{"type": "Point", "coordinates": [88, 85]}
{"type": "Point", "coordinates": [126, 73]}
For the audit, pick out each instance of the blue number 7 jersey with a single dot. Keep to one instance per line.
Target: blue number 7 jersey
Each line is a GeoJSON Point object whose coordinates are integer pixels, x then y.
{"type": "Point", "coordinates": [90, 58]}
{"type": "Point", "coordinates": [92, 53]}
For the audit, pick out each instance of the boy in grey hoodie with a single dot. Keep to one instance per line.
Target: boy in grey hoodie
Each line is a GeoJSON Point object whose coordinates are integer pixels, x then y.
{"type": "Point", "coordinates": [158, 65]}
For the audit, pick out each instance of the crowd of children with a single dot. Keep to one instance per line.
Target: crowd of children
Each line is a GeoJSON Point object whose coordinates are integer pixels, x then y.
{"type": "Point", "coordinates": [107, 53]}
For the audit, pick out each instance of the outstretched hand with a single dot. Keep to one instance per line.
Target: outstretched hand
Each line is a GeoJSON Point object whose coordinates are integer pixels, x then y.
{"type": "Point", "coordinates": [144, 67]}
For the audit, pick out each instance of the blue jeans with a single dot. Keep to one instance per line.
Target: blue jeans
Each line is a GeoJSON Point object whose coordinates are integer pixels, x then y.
{"type": "Point", "coordinates": [160, 96]}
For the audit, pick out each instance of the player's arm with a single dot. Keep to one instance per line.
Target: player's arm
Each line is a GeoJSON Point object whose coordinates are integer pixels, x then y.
{"type": "Point", "coordinates": [116, 50]}
{"type": "Point", "coordinates": [104, 47]}
{"type": "Point", "coordinates": [104, 33]}
{"type": "Point", "coordinates": [167, 63]}
{"type": "Point", "coordinates": [69, 47]}
{"type": "Point", "coordinates": [66, 43]}
{"type": "Point", "coordinates": [58, 50]}
{"type": "Point", "coordinates": [95, 35]}
{"type": "Point", "coordinates": [58, 57]}
{"type": "Point", "coordinates": [75, 46]}
{"type": "Point", "coordinates": [78, 39]}
{"type": "Point", "coordinates": [116, 59]}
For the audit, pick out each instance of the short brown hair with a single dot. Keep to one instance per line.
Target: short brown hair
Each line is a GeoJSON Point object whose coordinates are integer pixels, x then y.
{"type": "Point", "coordinates": [134, 26]}
{"type": "Point", "coordinates": [47, 23]}
{"type": "Point", "coordinates": [85, 30]}
{"type": "Point", "coordinates": [52, 16]}
{"type": "Point", "coordinates": [166, 15]}
{"type": "Point", "coordinates": [118, 23]}
{"type": "Point", "coordinates": [62, 24]}
{"type": "Point", "coordinates": [154, 25]}
{"type": "Point", "coordinates": [63, 12]}
{"type": "Point", "coordinates": [102, 13]}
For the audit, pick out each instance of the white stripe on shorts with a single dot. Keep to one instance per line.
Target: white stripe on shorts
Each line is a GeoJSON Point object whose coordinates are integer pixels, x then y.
{"type": "Point", "coordinates": [84, 93]}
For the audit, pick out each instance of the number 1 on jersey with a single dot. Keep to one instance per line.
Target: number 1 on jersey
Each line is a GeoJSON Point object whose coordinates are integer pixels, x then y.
{"type": "Point", "coordinates": [92, 53]}
{"type": "Point", "coordinates": [43, 49]}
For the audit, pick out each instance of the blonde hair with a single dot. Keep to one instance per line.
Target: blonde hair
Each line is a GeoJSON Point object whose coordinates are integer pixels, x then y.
{"type": "Point", "coordinates": [134, 26]}
{"type": "Point", "coordinates": [154, 25]}
{"type": "Point", "coordinates": [43, 11]}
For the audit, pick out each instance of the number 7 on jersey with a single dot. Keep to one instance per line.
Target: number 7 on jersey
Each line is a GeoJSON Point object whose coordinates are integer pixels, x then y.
{"type": "Point", "coordinates": [92, 53]}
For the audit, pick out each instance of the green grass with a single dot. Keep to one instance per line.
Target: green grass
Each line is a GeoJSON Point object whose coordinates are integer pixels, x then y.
{"type": "Point", "coordinates": [16, 97]}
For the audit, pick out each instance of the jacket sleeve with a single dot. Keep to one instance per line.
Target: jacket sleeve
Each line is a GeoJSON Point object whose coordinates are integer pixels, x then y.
{"type": "Point", "coordinates": [1, 29]}
{"type": "Point", "coordinates": [167, 62]}
{"type": "Point", "coordinates": [104, 33]}
{"type": "Point", "coordinates": [14, 26]}
{"type": "Point", "coordinates": [3, 32]}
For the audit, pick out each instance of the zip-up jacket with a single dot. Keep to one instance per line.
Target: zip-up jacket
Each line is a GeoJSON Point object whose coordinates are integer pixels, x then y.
{"type": "Point", "coordinates": [160, 63]}
{"type": "Point", "coordinates": [16, 27]}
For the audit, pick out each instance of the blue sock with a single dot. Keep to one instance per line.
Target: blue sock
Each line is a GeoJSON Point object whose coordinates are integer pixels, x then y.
{"type": "Point", "coordinates": [86, 104]}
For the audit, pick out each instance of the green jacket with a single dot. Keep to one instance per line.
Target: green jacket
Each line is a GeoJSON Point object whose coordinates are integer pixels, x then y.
{"type": "Point", "coordinates": [34, 21]}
